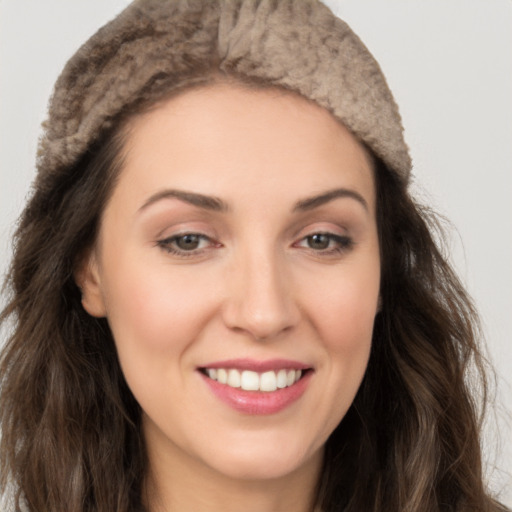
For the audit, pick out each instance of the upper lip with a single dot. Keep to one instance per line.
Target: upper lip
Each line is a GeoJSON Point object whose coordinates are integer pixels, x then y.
{"type": "Point", "coordinates": [258, 366]}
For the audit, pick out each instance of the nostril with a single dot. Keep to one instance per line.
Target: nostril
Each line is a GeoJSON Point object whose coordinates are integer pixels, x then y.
{"type": "Point", "coordinates": [259, 301]}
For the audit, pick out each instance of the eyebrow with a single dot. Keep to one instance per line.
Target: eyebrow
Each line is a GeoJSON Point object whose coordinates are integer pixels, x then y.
{"type": "Point", "coordinates": [201, 201]}
{"type": "Point", "coordinates": [314, 202]}
{"type": "Point", "coordinates": [218, 205]}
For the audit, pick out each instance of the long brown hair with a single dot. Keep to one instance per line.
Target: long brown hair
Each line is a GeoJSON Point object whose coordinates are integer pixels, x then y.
{"type": "Point", "coordinates": [411, 440]}
{"type": "Point", "coordinates": [71, 436]}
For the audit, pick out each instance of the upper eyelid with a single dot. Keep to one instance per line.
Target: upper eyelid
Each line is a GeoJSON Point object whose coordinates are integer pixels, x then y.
{"type": "Point", "coordinates": [327, 228]}
{"type": "Point", "coordinates": [299, 234]}
{"type": "Point", "coordinates": [178, 231]}
{"type": "Point", "coordinates": [183, 233]}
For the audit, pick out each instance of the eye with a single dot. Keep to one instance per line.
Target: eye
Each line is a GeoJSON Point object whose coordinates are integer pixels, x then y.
{"type": "Point", "coordinates": [326, 242]}
{"type": "Point", "coordinates": [185, 244]}
{"type": "Point", "coordinates": [319, 241]}
{"type": "Point", "coordinates": [188, 242]}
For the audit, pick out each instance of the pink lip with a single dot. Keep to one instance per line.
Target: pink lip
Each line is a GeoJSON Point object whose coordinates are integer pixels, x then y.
{"type": "Point", "coordinates": [258, 402]}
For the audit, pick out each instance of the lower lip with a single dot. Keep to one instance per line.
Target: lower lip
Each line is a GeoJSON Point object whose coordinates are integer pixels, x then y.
{"type": "Point", "coordinates": [258, 402]}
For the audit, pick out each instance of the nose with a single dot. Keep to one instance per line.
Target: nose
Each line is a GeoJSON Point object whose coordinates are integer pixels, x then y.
{"type": "Point", "coordinates": [261, 302]}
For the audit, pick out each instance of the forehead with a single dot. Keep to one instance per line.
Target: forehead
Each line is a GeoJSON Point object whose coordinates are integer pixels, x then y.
{"type": "Point", "coordinates": [229, 138]}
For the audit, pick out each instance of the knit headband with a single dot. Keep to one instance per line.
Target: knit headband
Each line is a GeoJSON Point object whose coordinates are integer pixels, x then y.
{"type": "Point", "coordinates": [152, 45]}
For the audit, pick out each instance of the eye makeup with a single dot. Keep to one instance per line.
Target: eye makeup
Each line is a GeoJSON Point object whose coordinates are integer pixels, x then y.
{"type": "Point", "coordinates": [186, 245]}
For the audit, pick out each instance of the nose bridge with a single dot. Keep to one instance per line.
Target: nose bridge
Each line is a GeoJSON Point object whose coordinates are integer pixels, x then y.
{"type": "Point", "coordinates": [261, 301]}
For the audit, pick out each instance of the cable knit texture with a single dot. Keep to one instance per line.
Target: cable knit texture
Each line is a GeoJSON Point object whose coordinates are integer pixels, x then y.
{"type": "Point", "coordinates": [154, 44]}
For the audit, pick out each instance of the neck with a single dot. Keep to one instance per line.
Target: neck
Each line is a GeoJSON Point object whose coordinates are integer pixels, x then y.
{"type": "Point", "coordinates": [174, 486]}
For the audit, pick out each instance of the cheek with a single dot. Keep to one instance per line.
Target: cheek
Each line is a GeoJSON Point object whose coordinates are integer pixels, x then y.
{"type": "Point", "coordinates": [343, 316]}
{"type": "Point", "coordinates": [155, 316]}
{"type": "Point", "coordinates": [152, 310]}
{"type": "Point", "coordinates": [345, 312]}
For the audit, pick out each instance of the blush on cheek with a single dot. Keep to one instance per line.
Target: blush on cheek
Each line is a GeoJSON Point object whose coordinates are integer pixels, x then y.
{"type": "Point", "coordinates": [348, 319]}
{"type": "Point", "coordinates": [153, 309]}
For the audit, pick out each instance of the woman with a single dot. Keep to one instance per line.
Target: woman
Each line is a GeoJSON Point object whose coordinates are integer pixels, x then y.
{"type": "Point", "coordinates": [223, 294]}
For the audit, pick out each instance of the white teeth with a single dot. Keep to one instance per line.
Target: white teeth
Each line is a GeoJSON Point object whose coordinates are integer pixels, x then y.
{"type": "Point", "coordinates": [222, 376]}
{"type": "Point", "coordinates": [268, 381]}
{"type": "Point", "coordinates": [281, 379]}
{"type": "Point", "coordinates": [233, 378]}
{"type": "Point", "coordinates": [250, 381]}
{"type": "Point", "coordinates": [253, 381]}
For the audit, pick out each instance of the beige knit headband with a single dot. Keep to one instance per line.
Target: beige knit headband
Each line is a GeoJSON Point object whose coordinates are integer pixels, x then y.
{"type": "Point", "coordinates": [296, 44]}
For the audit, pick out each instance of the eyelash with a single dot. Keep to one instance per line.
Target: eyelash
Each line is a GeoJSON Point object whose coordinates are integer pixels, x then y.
{"type": "Point", "coordinates": [168, 244]}
{"type": "Point", "coordinates": [342, 244]}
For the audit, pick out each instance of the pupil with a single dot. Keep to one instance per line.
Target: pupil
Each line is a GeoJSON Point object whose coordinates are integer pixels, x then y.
{"type": "Point", "coordinates": [188, 242]}
{"type": "Point", "coordinates": [319, 241]}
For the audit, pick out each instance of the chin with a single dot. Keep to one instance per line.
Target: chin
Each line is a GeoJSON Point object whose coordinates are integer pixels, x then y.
{"type": "Point", "coordinates": [265, 463]}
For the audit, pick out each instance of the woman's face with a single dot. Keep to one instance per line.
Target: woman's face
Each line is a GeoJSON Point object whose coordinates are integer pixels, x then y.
{"type": "Point", "coordinates": [239, 243]}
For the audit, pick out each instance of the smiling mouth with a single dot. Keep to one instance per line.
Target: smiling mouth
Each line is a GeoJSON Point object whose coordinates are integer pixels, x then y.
{"type": "Point", "coordinates": [248, 380]}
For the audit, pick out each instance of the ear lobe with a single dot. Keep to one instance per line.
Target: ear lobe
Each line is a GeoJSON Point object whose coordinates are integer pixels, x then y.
{"type": "Point", "coordinates": [87, 278]}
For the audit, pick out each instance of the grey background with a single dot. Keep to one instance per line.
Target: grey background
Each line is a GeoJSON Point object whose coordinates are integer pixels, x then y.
{"type": "Point", "coordinates": [449, 64]}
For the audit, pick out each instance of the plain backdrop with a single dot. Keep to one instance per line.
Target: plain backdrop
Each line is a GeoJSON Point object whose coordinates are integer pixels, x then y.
{"type": "Point", "coordinates": [449, 64]}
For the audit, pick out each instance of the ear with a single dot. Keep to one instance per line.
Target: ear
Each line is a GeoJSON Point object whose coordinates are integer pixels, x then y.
{"type": "Point", "coordinates": [87, 278]}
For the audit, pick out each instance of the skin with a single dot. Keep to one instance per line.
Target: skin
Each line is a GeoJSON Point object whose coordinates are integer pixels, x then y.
{"type": "Point", "coordinates": [255, 287]}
